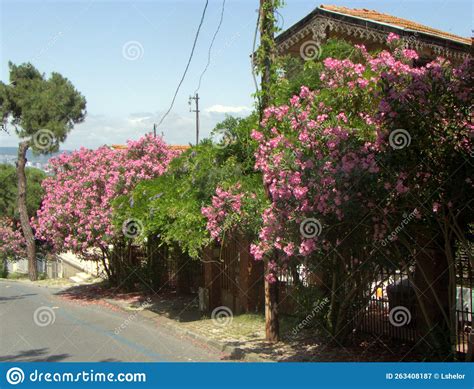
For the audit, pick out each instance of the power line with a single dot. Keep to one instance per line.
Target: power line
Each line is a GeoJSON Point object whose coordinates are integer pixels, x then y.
{"type": "Point", "coordinates": [253, 64]}
{"type": "Point", "coordinates": [282, 19]}
{"type": "Point", "coordinates": [210, 47]}
{"type": "Point", "coordinates": [187, 66]}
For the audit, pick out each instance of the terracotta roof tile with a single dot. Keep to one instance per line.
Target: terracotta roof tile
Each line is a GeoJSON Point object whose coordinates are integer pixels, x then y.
{"type": "Point", "coordinates": [394, 21]}
{"type": "Point", "coordinates": [179, 147]}
{"type": "Point", "coordinates": [172, 147]}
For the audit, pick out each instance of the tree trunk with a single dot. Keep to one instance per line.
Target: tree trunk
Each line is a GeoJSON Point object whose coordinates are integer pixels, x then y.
{"type": "Point", "coordinates": [4, 271]}
{"type": "Point", "coordinates": [267, 41]}
{"type": "Point", "coordinates": [24, 218]}
{"type": "Point", "coordinates": [295, 275]}
{"type": "Point", "coordinates": [272, 327]}
{"type": "Point", "coordinates": [432, 283]}
{"type": "Point", "coordinates": [103, 258]}
{"type": "Point", "coordinates": [266, 30]}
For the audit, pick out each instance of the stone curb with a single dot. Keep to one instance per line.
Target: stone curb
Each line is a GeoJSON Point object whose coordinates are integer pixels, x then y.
{"type": "Point", "coordinates": [235, 352]}
{"type": "Point", "coordinates": [39, 285]}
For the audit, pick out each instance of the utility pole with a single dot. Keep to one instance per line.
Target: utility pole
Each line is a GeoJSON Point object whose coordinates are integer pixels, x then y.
{"type": "Point", "coordinates": [267, 42]}
{"type": "Point", "coordinates": [196, 102]}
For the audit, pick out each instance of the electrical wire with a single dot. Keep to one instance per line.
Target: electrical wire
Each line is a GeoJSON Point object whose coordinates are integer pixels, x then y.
{"type": "Point", "coordinates": [187, 66]}
{"type": "Point", "coordinates": [210, 47]}
{"type": "Point", "coordinates": [281, 18]}
{"type": "Point", "coordinates": [253, 59]}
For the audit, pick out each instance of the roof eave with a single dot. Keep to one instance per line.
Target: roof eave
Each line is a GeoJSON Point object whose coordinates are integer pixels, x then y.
{"type": "Point", "coordinates": [321, 11]}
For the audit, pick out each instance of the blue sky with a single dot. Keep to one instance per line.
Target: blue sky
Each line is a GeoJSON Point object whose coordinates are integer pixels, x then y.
{"type": "Point", "coordinates": [87, 42]}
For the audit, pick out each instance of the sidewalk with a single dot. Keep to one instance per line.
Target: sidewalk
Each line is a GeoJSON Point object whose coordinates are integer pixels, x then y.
{"type": "Point", "coordinates": [242, 337]}
{"type": "Point", "coordinates": [202, 330]}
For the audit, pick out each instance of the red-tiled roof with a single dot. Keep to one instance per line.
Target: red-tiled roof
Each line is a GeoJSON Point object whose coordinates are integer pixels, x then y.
{"type": "Point", "coordinates": [394, 21]}
{"type": "Point", "coordinates": [179, 147]}
{"type": "Point", "coordinates": [172, 147]}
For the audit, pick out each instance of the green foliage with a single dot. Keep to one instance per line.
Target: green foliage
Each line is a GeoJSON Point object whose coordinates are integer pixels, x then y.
{"type": "Point", "coordinates": [254, 201]}
{"type": "Point", "coordinates": [264, 59]}
{"type": "Point", "coordinates": [170, 206]}
{"type": "Point", "coordinates": [3, 269]}
{"type": "Point", "coordinates": [312, 305]}
{"type": "Point", "coordinates": [8, 191]}
{"type": "Point", "coordinates": [15, 276]}
{"type": "Point", "coordinates": [33, 103]}
{"type": "Point", "coordinates": [295, 72]}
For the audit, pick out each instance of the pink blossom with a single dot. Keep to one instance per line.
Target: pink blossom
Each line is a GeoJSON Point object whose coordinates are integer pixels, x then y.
{"type": "Point", "coordinates": [306, 247]}
{"type": "Point", "coordinates": [12, 242]}
{"type": "Point", "coordinates": [257, 135]}
{"type": "Point", "coordinates": [392, 37]}
{"type": "Point", "coordinates": [76, 210]}
{"type": "Point", "coordinates": [410, 54]}
{"type": "Point", "coordinates": [271, 278]}
{"type": "Point", "coordinates": [224, 203]}
{"type": "Point", "coordinates": [289, 249]}
{"type": "Point", "coordinates": [256, 251]}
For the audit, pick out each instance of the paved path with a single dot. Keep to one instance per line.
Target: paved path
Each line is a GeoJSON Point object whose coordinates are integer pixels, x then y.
{"type": "Point", "coordinates": [83, 333]}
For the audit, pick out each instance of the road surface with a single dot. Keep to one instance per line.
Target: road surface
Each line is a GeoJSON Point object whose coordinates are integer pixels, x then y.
{"type": "Point", "coordinates": [62, 330]}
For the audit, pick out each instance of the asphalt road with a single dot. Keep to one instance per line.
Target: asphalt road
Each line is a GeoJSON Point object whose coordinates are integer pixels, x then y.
{"type": "Point", "coordinates": [63, 330]}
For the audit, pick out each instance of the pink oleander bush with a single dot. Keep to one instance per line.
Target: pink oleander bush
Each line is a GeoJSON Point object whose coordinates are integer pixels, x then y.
{"type": "Point", "coordinates": [382, 143]}
{"type": "Point", "coordinates": [235, 210]}
{"type": "Point", "coordinates": [224, 203]}
{"type": "Point", "coordinates": [12, 242]}
{"type": "Point", "coordinates": [76, 211]}
{"type": "Point", "coordinates": [329, 153]}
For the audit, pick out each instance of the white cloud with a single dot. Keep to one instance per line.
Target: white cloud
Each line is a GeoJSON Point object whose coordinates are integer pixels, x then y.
{"type": "Point", "coordinates": [227, 109]}
{"type": "Point", "coordinates": [99, 129]}
{"type": "Point", "coordinates": [140, 118]}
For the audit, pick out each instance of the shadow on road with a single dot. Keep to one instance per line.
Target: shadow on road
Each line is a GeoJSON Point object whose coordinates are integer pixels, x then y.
{"type": "Point", "coordinates": [93, 292]}
{"type": "Point", "coordinates": [34, 355]}
{"type": "Point", "coordinates": [179, 307]}
{"type": "Point", "coordinates": [18, 297]}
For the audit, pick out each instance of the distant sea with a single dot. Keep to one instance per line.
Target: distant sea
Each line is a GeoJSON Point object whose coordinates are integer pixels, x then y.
{"type": "Point", "coordinates": [7, 153]}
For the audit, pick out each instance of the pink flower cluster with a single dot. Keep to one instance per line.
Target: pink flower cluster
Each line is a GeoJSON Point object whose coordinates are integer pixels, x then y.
{"type": "Point", "coordinates": [309, 157]}
{"type": "Point", "coordinates": [328, 154]}
{"type": "Point", "coordinates": [223, 204]}
{"type": "Point", "coordinates": [12, 242]}
{"type": "Point", "coordinates": [76, 210]}
{"type": "Point", "coordinates": [392, 37]}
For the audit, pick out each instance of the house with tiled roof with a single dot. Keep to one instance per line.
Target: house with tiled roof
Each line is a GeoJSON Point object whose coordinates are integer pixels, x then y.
{"type": "Point", "coordinates": [179, 148]}
{"type": "Point", "coordinates": [371, 28]}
